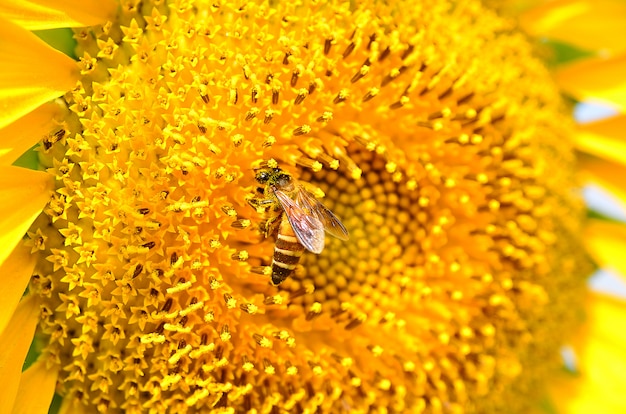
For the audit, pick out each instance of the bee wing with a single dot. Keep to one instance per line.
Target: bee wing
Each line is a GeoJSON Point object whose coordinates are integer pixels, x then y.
{"type": "Point", "coordinates": [331, 222]}
{"type": "Point", "coordinates": [308, 229]}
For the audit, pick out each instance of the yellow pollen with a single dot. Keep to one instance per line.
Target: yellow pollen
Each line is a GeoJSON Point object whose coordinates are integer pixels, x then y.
{"type": "Point", "coordinates": [272, 163]}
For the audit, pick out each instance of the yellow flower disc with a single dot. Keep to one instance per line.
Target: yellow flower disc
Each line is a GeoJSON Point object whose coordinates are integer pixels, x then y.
{"type": "Point", "coordinates": [431, 131]}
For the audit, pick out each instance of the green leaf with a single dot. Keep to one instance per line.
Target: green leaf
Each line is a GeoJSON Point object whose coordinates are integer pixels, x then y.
{"type": "Point", "coordinates": [593, 214]}
{"type": "Point", "coordinates": [29, 159]}
{"type": "Point", "coordinates": [60, 39]}
{"type": "Point", "coordinates": [560, 52]}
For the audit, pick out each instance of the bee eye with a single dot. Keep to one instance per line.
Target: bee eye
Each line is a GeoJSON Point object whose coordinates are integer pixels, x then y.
{"type": "Point", "coordinates": [262, 177]}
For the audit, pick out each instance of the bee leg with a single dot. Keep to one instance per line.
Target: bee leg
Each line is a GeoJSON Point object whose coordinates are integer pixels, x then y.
{"type": "Point", "coordinates": [257, 203]}
{"type": "Point", "coordinates": [271, 225]}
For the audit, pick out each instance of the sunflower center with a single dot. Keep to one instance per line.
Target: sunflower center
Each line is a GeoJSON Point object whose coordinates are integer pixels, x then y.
{"type": "Point", "coordinates": [383, 249]}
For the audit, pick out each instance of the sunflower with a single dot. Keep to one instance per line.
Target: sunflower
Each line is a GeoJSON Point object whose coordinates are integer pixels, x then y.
{"type": "Point", "coordinates": [135, 264]}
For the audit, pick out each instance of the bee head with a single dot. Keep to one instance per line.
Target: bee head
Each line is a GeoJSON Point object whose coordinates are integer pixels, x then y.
{"type": "Point", "coordinates": [273, 177]}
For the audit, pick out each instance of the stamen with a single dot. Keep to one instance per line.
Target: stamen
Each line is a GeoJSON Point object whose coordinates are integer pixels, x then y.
{"type": "Point", "coordinates": [306, 162]}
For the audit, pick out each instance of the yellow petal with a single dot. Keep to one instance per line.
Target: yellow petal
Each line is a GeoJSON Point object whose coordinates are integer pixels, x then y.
{"type": "Point", "coordinates": [604, 139]}
{"type": "Point", "coordinates": [32, 72]}
{"type": "Point", "coordinates": [14, 343]}
{"type": "Point", "coordinates": [606, 241]}
{"type": "Point", "coordinates": [588, 24]}
{"type": "Point", "coordinates": [36, 389]}
{"type": "Point", "coordinates": [51, 14]}
{"type": "Point", "coordinates": [22, 134]}
{"type": "Point", "coordinates": [596, 79]}
{"type": "Point", "coordinates": [24, 193]}
{"type": "Point", "coordinates": [14, 276]}
{"type": "Point", "coordinates": [602, 361]}
{"type": "Point", "coordinates": [607, 175]}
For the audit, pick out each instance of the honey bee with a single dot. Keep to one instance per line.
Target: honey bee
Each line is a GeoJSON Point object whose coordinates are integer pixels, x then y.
{"type": "Point", "coordinates": [302, 220]}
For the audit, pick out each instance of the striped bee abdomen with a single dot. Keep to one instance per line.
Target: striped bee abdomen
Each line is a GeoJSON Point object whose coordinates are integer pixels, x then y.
{"type": "Point", "coordinates": [287, 252]}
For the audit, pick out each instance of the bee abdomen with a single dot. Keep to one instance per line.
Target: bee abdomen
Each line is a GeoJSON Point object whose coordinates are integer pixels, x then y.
{"type": "Point", "coordinates": [287, 257]}
{"type": "Point", "coordinates": [287, 254]}
{"type": "Point", "coordinates": [280, 272]}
